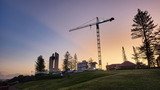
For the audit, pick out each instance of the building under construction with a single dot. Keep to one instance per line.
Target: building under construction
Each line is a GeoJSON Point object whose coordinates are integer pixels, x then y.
{"type": "Point", "coordinates": [53, 62]}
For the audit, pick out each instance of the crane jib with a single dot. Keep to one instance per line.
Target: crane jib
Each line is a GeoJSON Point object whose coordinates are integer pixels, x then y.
{"type": "Point", "coordinates": [80, 27]}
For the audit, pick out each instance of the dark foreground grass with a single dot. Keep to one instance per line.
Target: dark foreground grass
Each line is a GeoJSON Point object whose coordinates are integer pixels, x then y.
{"type": "Point", "coordinates": [67, 81]}
{"type": "Point", "coordinates": [147, 79]}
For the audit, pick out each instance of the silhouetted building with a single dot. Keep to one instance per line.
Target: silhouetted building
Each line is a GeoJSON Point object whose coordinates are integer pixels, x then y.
{"type": "Point", "coordinates": [56, 61]}
{"type": "Point", "coordinates": [53, 62]}
{"type": "Point", "coordinates": [127, 65]}
{"type": "Point", "coordinates": [124, 65]}
{"type": "Point", "coordinates": [113, 67]}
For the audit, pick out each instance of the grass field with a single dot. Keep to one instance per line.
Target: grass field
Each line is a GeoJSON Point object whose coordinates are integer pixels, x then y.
{"type": "Point", "coordinates": [147, 79]}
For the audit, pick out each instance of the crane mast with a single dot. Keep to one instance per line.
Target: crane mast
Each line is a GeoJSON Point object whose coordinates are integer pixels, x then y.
{"type": "Point", "coordinates": [98, 36]}
{"type": "Point", "coordinates": [98, 45]}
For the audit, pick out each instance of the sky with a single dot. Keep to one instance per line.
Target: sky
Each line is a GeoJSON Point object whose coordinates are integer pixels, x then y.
{"type": "Point", "coordinates": [29, 28]}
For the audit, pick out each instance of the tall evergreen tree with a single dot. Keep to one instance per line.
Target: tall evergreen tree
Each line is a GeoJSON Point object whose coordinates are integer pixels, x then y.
{"type": "Point", "coordinates": [143, 28]}
{"type": "Point", "coordinates": [75, 61]}
{"type": "Point", "coordinates": [66, 61]}
{"type": "Point", "coordinates": [40, 64]}
{"type": "Point", "coordinates": [71, 63]}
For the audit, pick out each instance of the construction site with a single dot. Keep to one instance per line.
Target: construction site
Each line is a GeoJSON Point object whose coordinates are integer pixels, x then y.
{"type": "Point", "coordinates": [84, 65]}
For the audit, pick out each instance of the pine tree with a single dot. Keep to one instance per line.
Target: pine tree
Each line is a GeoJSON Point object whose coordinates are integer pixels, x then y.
{"type": "Point", "coordinates": [71, 63]}
{"type": "Point", "coordinates": [40, 64]}
{"type": "Point", "coordinates": [143, 28]}
{"type": "Point", "coordinates": [66, 61]}
{"type": "Point", "coordinates": [75, 61]}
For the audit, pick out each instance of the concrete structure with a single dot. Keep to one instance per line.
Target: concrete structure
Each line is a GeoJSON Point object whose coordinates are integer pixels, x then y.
{"type": "Point", "coordinates": [53, 63]}
{"type": "Point", "coordinates": [56, 61]}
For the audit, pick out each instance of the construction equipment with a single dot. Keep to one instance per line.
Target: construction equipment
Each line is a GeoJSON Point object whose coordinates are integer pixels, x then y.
{"type": "Point", "coordinates": [98, 36]}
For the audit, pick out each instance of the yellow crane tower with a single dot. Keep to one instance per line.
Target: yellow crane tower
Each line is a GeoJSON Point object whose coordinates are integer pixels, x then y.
{"type": "Point", "coordinates": [98, 36]}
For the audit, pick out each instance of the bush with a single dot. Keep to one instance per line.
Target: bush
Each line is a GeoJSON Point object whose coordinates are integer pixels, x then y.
{"type": "Point", "coordinates": [40, 76]}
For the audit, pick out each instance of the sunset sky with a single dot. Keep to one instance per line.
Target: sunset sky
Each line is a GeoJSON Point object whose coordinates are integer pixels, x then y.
{"type": "Point", "coordinates": [29, 28]}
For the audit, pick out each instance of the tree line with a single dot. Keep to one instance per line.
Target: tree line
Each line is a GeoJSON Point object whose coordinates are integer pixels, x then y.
{"type": "Point", "coordinates": [69, 63]}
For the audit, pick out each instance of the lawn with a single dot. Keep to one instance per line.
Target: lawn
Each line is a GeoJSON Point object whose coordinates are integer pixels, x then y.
{"type": "Point", "coordinates": [147, 79]}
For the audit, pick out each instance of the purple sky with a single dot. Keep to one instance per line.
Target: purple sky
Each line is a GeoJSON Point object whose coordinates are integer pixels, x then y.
{"type": "Point", "coordinates": [29, 28]}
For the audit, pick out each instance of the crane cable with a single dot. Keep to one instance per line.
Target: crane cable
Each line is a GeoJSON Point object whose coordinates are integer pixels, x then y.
{"type": "Point", "coordinates": [87, 22]}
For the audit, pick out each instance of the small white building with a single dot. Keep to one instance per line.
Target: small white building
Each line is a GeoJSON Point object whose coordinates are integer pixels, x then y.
{"type": "Point", "coordinates": [92, 65]}
{"type": "Point", "coordinates": [82, 66]}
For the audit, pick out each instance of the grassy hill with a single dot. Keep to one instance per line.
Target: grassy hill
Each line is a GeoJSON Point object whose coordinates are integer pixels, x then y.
{"type": "Point", "coordinates": [147, 79]}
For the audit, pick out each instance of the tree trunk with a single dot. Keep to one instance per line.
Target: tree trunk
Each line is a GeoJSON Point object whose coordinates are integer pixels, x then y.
{"type": "Point", "coordinates": [147, 47]}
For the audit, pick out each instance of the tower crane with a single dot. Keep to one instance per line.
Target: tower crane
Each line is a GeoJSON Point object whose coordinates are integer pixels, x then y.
{"type": "Point", "coordinates": [98, 36]}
